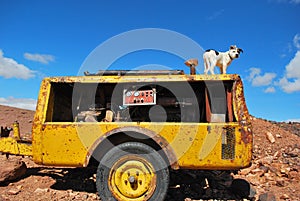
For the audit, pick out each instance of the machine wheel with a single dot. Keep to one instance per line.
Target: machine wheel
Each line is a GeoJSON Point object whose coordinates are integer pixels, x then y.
{"type": "Point", "coordinates": [132, 171]}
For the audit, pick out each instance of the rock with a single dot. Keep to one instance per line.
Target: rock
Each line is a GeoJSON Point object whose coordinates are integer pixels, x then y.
{"type": "Point", "coordinates": [269, 196]}
{"type": "Point", "coordinates": [20, 187]}
{"type": "Point", "coordinates": [270, 137]}
{"type": "Point", "coordinates": [95, 197]}
{"type": "Point", "coordinates": [255, 179]}
{"type": "Point", "coordinates": [258, 171]}
{"type": "Point", "coordinates": [284, 197]}
{"type": "Point", "coordinates": [11, 169]}
{"type": "Point", "coordinates": [252, 192]}
{"type": "Point", "coordinates": [294, 153]}
{"type": "Point", "coordinates": [269, 176]}
{"type": "Point", "coordinates": [280, 182]}
{"type": "Point", "coordinates": [85, 196]}
{"type": "Point", "coordinates": [294, 175]}
{"type": "Point", "coordinates": [275, 168]}
{"type": "Point", "coordinates": [285, 171]}
{"type": "Point", "coordinates": [13, 191]}
{"type": "Point", "coordinates": [266, 160]}
{"type": "Point", "coordinates": [264, 168]}
{"type": "Point", "coordinates": [245, 171]}
{"type": "Point", "coordinates": [4, 198]}
{"type": "Point", "coordinates": [276, 154]}
{"type": "Point", "coordinates": [41, 190]}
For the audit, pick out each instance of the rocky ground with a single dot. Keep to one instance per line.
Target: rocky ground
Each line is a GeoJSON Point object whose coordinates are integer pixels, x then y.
{"type": "Point", "coordinates": [274, 174]}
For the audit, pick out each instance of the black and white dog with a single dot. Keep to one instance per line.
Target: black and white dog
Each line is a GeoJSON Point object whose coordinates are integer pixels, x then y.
{"type": "Point", "coordinates": [214, 58]}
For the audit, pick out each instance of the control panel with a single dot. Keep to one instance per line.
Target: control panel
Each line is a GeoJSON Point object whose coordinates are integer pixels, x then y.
{"type": "Point", "coordinates": [139, 97]}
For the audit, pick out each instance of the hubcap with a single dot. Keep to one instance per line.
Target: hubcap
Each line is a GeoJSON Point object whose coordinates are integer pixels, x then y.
{"type": "Point", "coordinates": [132, 177]}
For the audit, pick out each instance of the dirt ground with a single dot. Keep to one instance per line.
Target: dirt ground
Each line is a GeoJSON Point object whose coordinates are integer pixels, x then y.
{"type": "Point", "coordinates": [275, 170]}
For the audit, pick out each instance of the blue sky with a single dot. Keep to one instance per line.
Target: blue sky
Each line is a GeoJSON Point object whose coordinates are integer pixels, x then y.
{"type": "Point", "coordinates": [55, 38]}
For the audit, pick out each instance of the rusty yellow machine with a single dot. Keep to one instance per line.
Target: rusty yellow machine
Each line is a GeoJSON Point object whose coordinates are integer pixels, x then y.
{"type": "Point", "coordinates": [137, 125]}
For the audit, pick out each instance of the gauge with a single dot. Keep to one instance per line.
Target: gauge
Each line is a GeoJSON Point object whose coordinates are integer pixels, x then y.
{"type": "Point", "coordinates": [136, 93]}
{"type": "Point", "coordinates": [129, 93]}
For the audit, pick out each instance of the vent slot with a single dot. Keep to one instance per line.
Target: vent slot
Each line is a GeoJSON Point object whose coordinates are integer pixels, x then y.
{"type": "Point", "coordinates": [228, 143]}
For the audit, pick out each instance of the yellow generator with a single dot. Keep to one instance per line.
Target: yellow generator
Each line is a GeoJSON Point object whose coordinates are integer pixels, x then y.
{"type": "Point", "coordinates": [138, 125]}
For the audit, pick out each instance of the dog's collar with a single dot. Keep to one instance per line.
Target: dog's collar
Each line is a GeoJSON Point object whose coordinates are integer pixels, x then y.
{"type": "Point", "coordinates": [230, 56]}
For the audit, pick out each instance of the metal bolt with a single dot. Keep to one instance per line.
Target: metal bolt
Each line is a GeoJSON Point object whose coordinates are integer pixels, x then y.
{"type": "Point", "coordinates": [131, 179]}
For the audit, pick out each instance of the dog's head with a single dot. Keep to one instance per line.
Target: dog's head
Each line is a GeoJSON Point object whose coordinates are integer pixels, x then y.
{"type": "Point", "coordinates": [234, 51]}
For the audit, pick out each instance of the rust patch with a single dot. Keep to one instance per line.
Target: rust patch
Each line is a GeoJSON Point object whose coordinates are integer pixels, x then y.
{"type": "Point", "coordinates": [241, 112]}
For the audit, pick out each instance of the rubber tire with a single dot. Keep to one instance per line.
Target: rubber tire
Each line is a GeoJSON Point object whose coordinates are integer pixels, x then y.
{"type": "Point", "coordinates": [147, 152]}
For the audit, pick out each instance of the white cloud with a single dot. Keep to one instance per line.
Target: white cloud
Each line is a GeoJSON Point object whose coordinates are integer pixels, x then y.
{"type": "Point", "coordinates": [270, 90]}
{"type": "Point", "coordinates": [263, 80]}
{"type": "Point", "coordinates": [287, 1]}
{"type": "Point", "coordinates": [289, 86]}
{"type": "Point", "coordinates": [216, 14]}
{"type": "Point", "coordinates": [24, 103]}
{"type": "Point", "coordinates": [257, 79]}
{"type": "Point", "coordinates": [253, 72]}
{"type": "Point", "coordinates": [42, 58]}
{"type": "Point", "coordinates": [292, 120]}
{"type": "Point", "coordinates": [10, 68]}
{"type": "Point", "coordinates": [295, 1]}
{"type": "Point", "coordinates": [296, 40]}
{"type": "Point", "coordinates": [291, 80]}
{"type": "Point", "coordinates": [293, 68]}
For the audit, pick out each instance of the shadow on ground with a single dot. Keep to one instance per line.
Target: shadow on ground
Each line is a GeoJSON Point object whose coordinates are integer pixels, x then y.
{"type": "Point", "coordinates": [195, 185]}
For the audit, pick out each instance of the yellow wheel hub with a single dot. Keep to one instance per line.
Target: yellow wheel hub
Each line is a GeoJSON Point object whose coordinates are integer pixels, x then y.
{"type": "Point", "coordinates": [132, 178]}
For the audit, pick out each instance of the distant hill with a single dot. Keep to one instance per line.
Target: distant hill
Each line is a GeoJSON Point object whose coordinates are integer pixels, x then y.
{"type": "Point", "coordinates": [8, 115]}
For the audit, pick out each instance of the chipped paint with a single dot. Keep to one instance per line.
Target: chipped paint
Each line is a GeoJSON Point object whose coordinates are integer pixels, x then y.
{"type": "Point", "coordinates": [241, 111]}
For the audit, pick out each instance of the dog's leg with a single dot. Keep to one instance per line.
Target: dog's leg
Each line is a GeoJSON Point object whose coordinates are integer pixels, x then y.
{"type": "Point", "coordinates": [212, 69]}
{"type": "Point", "coordinates": [205, 62]}
{"type": "Point", "coordinates": [213, 63]}
{"type": "Point", "coordinates": [224, 68]}
{"type": "Point", "coordinates": [206, 66]}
